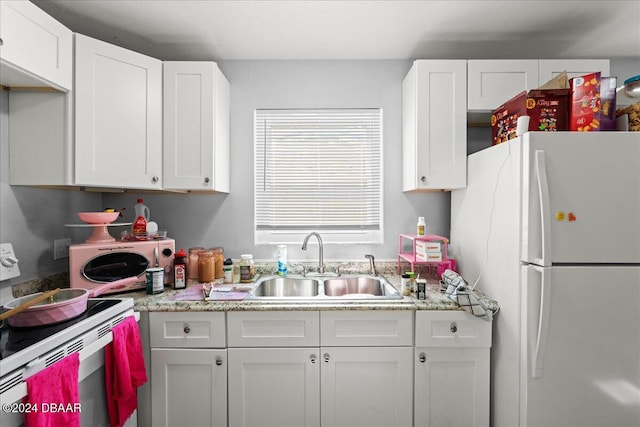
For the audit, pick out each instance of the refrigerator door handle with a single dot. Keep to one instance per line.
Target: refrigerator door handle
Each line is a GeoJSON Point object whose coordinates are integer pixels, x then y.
{"type": "Point", "coordinates": [545, 211]}
{"type": "Point", "coordinates": [543, 322]}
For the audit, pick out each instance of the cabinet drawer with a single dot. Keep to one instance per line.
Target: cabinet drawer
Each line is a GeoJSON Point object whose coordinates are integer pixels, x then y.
{"type": "Point", "coordinates": [181, 329]}
{"type": "Point", "coordinates": [366, 328]}
{"type": "Point", "coordinates": [451, 329]}
{"type": "Point", "coordinates": [273, 329]}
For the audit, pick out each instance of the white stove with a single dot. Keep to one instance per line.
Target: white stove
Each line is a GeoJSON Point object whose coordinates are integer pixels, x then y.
{"type": "Point", "coordinates": [26, 351]}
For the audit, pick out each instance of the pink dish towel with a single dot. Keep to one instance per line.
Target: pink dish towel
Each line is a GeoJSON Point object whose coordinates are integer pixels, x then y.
{"type": "Point", "coordinates": [54, 392]}
{"type": "Point", "coordinates": [124, 371]}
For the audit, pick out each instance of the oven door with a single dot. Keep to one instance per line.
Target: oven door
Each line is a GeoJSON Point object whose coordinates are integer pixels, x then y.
{"type": "Point", "coordinates": [113, 266]}
{"type": "Point", "coordinates": [91, 377]}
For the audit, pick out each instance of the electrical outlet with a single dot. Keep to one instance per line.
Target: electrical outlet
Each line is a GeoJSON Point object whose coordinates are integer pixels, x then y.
{"type": "Point", "coordinates": [61, 248]}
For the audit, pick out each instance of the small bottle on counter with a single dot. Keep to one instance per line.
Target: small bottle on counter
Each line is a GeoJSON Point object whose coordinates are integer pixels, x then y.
{"type": "Point", "coordinates": [405, 285]}
{"type": "Point", "coordinates": [247, 268]}
{"type": "Point", "coordinates": [180, 270]}
{"type": "Point", "coordinates": [192, 267]}
{"type": "Point", "coordinates": [421, 288]}
{"type": "Point", "coordinates": [282, 260]}
{"type": "Point", "coordinates": [228, 270]}
{"type": "Point", "coordinates": [422, 226]}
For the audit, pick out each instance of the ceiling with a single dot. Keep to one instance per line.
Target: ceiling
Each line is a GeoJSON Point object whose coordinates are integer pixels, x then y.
{"type": "Point", "coordinates": [360, 29]}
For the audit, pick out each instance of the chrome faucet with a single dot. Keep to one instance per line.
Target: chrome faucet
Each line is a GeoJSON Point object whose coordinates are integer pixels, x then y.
{"type": "Point", "coordinates": [372, 264]}
{"type": "Point", "coordinates": [304, 248]}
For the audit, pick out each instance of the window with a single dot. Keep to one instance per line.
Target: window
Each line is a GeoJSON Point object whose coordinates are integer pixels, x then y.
{"type": "Point", "coordinates": [318, 170]}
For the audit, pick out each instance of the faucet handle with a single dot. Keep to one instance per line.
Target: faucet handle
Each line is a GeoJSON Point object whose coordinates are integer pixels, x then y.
{"type": "Point", "coordinates": [372, 263]}
{"type": "Point", "coordinates": [339, 268]}
{"type": "Point", "coordinates": [304, 268]}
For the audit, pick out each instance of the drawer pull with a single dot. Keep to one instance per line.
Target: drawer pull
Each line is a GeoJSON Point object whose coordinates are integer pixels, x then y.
{"type": "Point", "coordinates": [422, 357]}
{"type": "Point", "coordinates": [313, 359]}
{"type": "Point", "coordinates": [186, 329]}
{"type": "Point", "coordinates": [218, 361]}
{"type": "Point", "coordinates": [453, 327]}
{"type": "Point", "coordinates": [326, 358]}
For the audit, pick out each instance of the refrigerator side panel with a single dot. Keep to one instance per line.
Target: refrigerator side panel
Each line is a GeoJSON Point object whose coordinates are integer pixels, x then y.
{"type": "Point", "coordinates": [581, 347]}
{"type": "Point", "coordinates": [588, 185]}
{"type": "Point", "coordinates": [485, 241]}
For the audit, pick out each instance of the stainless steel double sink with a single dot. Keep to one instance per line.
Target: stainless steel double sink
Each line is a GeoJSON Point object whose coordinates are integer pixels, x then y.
{"type": "Point", "coordinates": [324, 288]}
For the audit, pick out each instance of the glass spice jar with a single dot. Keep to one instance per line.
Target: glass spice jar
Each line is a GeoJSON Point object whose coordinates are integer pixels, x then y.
{"type": "Point", "coordinates": [206, 266]}
{"type": "Point", "coordinates": [247, 268]}
{"type": "Point", "coordinates": [192, 263]}
{"type": "Point", "coordinates": [218, 255]}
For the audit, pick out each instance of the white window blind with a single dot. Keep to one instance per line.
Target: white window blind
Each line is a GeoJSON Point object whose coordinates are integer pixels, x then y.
{"type": "Point", "coordinates": [321, 170]}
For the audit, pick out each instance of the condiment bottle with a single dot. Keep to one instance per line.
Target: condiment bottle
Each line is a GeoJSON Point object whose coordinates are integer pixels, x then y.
{"type": "Point", "coordinates": [247, 269]}
{"type": "Point", "coordinates": [228, 270]}
{"type": "Point", "coordinates": [142, 217]}
{"type": "Point", "coordinates": [192, 268]}
{"type": "Point", "coordinates": [180, 270]}
{"type": "Point", "coordinates": [421, 226]}
{"type": "Point", "coordinates": [206, 266]}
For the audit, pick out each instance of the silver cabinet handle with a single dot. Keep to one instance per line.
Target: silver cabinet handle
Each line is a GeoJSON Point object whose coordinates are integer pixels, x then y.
{"type": "Point", "coordinates": [206, 180]}
{"type": "Point", "coordinates": [423, 178]}
{"type": "Point", "coordinates": [186, 328]}
{"type": "Point", "coordinates": [218, 361]}
{"type": "Point", "coordinates": [326, 357]}
{"type": "Point", "coordinates": [453, 327]}
{"type": "Point", "coordinates": [313, 358]}
{"type": "Point", "coordinates": [155, 179]}
{"type": "Point", "coordinates": [422, 357]}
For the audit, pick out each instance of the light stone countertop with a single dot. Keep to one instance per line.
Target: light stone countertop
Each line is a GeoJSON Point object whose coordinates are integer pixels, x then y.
{"type": "Point", "coordinates": [170, 299]}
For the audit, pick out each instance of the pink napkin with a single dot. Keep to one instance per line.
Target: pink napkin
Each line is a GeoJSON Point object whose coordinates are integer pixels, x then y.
{"type": "Point", "coordinates": [54, 392]}
{"type": "Point", "coordinates": [124, 371]}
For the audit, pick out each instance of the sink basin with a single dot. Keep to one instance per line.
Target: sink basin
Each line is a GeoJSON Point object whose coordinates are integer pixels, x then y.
{"type": "Point", "coordinates": [324, 288]}
{"type": "Point", "coordinates": [353, 286]}
{"type": "Point", "coordinates": [286, 287]}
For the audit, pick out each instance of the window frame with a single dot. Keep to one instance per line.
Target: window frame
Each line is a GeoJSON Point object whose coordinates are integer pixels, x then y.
{"type": "Point", "coordinates": [331, 236]}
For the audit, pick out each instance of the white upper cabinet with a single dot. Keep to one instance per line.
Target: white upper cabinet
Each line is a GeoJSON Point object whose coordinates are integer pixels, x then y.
{"type": "Point", "coordinates": [196, 127]}
{"type": "Point", "coordinates": [549, 68]}
{"type": "Point", "coordinates": [118, 116]}
{"type": "Point", "coordinates": [434, 125]}
{"type": "Point", "coordinates": [36, 50]}
{"type": "Point", "coordinates": [492, 82]}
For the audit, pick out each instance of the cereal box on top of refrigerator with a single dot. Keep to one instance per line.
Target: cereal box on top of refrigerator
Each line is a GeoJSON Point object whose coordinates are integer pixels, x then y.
{"type": "Point", "coordinates": [584, 108]}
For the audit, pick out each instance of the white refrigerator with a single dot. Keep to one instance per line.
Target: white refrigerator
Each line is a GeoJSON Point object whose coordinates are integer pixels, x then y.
{"type": "Point", "coordinates": [549, 226]}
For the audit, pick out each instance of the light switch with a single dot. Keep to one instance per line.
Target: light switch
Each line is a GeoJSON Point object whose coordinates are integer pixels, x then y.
{"type": "Point", "coordinates": [8, 262]}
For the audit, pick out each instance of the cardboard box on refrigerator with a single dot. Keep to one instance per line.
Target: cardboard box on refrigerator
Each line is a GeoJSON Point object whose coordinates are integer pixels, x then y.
{"type": "Point", "coordinates": [584, 109]}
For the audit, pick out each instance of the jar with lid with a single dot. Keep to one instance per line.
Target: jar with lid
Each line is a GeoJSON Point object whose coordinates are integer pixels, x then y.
{"type": "Point", "coordinates": [247, 268]}
{"type": "Point", "coordinates": [206, 266]}
{"type": "Point", "coordinates": [192, 263]}
{"type": "Point", "coordinates": [218, 256]}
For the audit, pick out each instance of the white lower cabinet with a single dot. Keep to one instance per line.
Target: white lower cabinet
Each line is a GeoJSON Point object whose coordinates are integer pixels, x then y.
{"type": "Point", "coordinates": [452, 370]}
{"type": "Point", "coordinates": [274, 387]}
{"type": "Point", "coordinates": [320, 385]}
{"type": "Point", "coordinates": [366, 386]}
{"type": "Point", "coordinates": [188, 379]}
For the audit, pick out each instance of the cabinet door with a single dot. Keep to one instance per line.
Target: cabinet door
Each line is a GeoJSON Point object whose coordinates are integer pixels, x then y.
{"type": "Point", "coordinates": [118, 116]}
{"type": "Point", "coordinates": [36, 50]}
{"type": "Point", "coordinates": [189, 387]}
{"type": "Point", "coordinates": [549, 68]}
{"type": "Point", "coordinates": [274, 387]}
{"type": "Point", "coordinates": [366, 386]}
{"type": "Point", "coordinates": [196, 127]}
{"type": "Point", "coordinates": [493, 82]}
{"type": "Point", "coordinates": [434, 126]}
{"type": "Point", "coordinates": [451, 387]}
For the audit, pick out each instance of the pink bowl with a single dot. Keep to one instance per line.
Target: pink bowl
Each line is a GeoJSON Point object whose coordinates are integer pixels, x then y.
{"type": "Point", "coordinates": [98, 217]}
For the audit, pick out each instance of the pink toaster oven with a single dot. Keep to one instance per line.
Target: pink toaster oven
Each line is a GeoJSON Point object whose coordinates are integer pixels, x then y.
{"type": "Point", "coordinates": [94, 264]}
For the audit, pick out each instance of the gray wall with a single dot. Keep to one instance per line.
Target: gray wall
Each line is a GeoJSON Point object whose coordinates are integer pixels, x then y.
{"type": "Point", "coordinates": [31, 218]}
{"type": "Point", "coordinates": [227, 220]}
